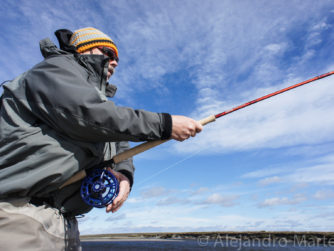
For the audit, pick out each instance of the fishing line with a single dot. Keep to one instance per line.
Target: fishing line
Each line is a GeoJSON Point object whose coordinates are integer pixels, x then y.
{"type": "Point", "coordinates": [172, 165]}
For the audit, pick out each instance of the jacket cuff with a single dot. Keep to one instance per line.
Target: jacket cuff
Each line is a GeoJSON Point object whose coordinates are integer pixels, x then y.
{"type": "Point", "coordinates": [128, 175]}
{"type": "Point", "coordinates": [166, 126]}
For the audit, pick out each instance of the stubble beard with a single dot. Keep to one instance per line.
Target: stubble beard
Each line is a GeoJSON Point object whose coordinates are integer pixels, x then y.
{"type": "Point", "coordinates": [111, 71]}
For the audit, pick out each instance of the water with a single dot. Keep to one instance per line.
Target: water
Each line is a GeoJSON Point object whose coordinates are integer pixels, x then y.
{"type": "Point", "coordinates": [172, 244]}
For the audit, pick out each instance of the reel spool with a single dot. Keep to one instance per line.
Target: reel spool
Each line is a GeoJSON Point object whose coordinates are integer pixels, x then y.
{"type": "Point", "coordinates": [99, 188]}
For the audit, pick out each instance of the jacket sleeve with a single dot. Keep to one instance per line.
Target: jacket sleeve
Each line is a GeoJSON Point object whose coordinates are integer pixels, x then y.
{"type": "Point", "coordinates": [125, 167]}
{"type": "Point", "coordinates": [59, 95]}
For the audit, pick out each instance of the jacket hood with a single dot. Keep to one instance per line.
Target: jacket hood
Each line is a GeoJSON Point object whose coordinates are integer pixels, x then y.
{"type": "Point", "coordinates": [48, 48]}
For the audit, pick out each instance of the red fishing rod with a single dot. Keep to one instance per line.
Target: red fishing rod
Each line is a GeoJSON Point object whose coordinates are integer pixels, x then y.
{"type": "Point", "coordinates": [273, 94]}
{"type": "Point", "coordinates": [148, 145]}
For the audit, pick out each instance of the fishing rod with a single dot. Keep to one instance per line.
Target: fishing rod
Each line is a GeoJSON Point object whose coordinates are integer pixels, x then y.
{"type": "Point", "coordinates": [148, 145]}
{"type": "Point", "coordinates": [93, 185]}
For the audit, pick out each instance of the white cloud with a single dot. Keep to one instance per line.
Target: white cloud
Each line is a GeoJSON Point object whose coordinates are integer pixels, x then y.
{"type": "Point", "coordinates": [324, 194]}
{"type": "Point", "coordinates": [311, 151]}
{"type": "Point", "coordinates": [317, 171]}
{"type": "Point", "coordinates": [323, 25]}
{"type": "Point", "coordinates": [161, 196]}
{"type": "Point", "coordinates": [269, 180]}
{"type": "Point", "coordinates": [115, 218]}
{"type": "Point", "coordinates": [318, 174]}
{"type": "Point", "coordinates": [133, 200]}
{"type": "Point", "coordinates": [279, 201]}
{"type": "Point", "coordinates": [262, 173]}
{"type": "Point", "coordinates": [200, 190]}
{"type": "Point", "coordinates": [218, 199]}
{"type": "Point", "coordinates": [275, 48]}
{"type": "Point", "coordinates": [172, 200]}
{"type": "Point", "coordinates": [314, 36]}
{"type": "Point", "coordinates": [154, 192]}
{"type": "Point", "coordinates": [274, 202]}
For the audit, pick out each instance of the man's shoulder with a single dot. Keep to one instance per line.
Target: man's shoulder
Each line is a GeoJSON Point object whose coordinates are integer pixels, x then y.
{"type": "Point", "coordinates": [67, 62]}
{"type": "Point", "coordinates": [62, 60]}
{"type": "Point", "coordinates": [55, 70]}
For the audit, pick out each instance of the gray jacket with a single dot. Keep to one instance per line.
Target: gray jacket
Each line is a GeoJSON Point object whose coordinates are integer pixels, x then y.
{"type": "Point", "coordinates": [56, 120]}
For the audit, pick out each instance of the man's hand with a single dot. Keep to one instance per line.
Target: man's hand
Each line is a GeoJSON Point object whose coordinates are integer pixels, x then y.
{"type": "Point", "coordinates": [184, 127]}
{"type": "Point", "coordinates": [124, 190]}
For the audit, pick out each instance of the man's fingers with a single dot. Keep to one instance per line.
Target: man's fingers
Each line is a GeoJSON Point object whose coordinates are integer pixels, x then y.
{"type": "Point", "coordinates": [184, 127]}
{"type": "Point", "coordinates": [199, 127]}
{"type": "Point", "coordinates": [124, 190]}
{"type": "Point", "coordinates": [193, 132]}
{"type": "Point", "coordinates": [119, 200]}
{"type": "Point", "coordinates": [116, 204]}
{"type": "Point", "coordinates": [109, 208]}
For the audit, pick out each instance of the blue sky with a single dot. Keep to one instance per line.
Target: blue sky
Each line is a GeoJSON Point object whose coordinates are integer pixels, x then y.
{"type": "Point", "coordinates": [267, 167]}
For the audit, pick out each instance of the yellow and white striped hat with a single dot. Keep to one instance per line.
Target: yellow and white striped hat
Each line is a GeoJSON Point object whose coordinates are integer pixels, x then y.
{"type": "Point", "coordinates": [86, 38]}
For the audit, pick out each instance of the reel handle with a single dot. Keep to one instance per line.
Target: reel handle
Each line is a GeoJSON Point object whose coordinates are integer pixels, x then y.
{"type": "Point", "coordinates": [132, 152]}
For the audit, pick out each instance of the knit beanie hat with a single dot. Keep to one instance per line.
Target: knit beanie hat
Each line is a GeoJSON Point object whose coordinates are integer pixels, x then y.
{"type": "Point", "coordinates": [86, 38]}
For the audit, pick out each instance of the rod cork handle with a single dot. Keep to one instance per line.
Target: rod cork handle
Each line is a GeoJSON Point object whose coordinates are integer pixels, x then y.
{"type": "Point", "coordinates": [137, 149]}
{"type": "Point", "coordinates": [207, 120]}
{"type": "Point", "coordinates": [76, 177]}
{"type": "Point", "coordinates": [148, 145]}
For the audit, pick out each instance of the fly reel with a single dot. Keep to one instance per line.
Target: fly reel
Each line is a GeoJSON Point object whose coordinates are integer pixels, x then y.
{"type": "Point", "coordinates": [99, 188]}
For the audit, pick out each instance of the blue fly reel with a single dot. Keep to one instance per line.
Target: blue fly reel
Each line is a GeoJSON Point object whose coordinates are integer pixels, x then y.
{"type": "Point", "coordinates": [99, 188]}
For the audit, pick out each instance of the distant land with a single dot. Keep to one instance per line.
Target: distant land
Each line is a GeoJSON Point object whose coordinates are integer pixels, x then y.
{"type": "Point", "coordinates": [320, 238]}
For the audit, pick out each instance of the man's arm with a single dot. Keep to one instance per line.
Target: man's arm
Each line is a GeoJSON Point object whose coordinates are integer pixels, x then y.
{"type": "Point", "coordinates": [59, 94]}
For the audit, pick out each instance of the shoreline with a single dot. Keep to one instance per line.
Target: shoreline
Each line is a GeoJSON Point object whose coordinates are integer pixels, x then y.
{"type": "Point", "coordinates": [321, 238]}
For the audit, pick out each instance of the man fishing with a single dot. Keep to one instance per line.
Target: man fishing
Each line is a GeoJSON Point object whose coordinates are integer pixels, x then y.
{"type": "Point", "coordinates": [56, 121]}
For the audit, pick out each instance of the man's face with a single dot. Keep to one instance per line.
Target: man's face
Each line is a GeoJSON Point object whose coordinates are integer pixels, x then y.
{"type": "Point", "coordinates": [112, 62]}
